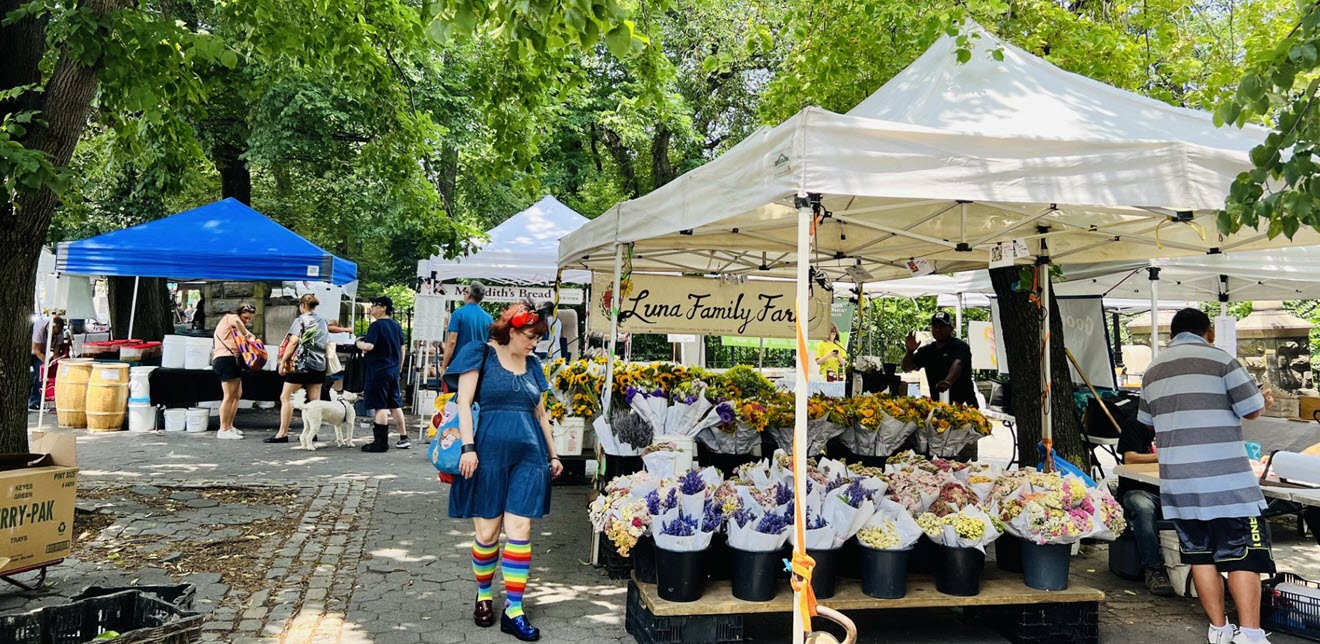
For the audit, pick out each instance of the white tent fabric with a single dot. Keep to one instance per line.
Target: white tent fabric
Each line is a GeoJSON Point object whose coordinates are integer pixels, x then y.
{"type": "Point", "coordinates": [524, 249]}
{"type": "Point", "coordinates": [1276, 274]}
{"type": "Point", "coordinates": [939, 164]}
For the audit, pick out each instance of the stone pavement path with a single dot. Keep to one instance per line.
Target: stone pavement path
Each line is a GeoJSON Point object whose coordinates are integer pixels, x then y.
{"type": "Point", "coordinates": [374, 558]}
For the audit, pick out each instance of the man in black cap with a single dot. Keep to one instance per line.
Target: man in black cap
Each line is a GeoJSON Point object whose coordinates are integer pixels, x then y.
{"type": "Point", "coordinates": [383, 346]}
{"type": "Point", "coordinates": [947, 361]}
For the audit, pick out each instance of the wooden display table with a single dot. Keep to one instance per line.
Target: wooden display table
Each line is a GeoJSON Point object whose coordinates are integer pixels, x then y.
{"type": "Point", "coordinates": [1006, 604]}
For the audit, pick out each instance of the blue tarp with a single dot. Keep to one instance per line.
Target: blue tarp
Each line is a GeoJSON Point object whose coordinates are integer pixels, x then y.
{"type": "Point", "coordinates": [225, 240]}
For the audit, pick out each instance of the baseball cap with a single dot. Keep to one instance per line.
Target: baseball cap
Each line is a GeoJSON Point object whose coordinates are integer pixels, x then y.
{"type": "Point", "coordinates": [942, 317]}
{"type": "Point", "coordinates": [385, 301]}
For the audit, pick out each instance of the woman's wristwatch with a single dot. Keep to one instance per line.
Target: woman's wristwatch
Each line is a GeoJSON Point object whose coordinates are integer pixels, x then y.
{"type": "Point", "coordinates": [469, 447]}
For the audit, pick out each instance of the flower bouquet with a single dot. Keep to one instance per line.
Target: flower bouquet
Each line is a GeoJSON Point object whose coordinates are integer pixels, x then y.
{"type": "Point", "coordinates": [664, 459]}
{"type": "Point", "coordinates": [826, 418]}
{"type": "Point", "coordinates": [625, 435]}
{"type": "Point", "coordinates": [733, 428]}
{"type": "Point", "coordinates": [915, 489]}
{"type": "Point", "coordinates": [848, 508]}
{"type": "Point", "coordinates": [887, 544]}
{"type": "Point", "coordinates": [881, 424]}
{"type": "Point", "coordinates": [969, 527]}
{"type": "Point", "coordinates": [953, 497]}
{"type": "Point", "coordinates": [1054, 509]}
{"type": "Point", "coordinates": [756, 541]}
{"type": "Point", "coordinates": [623, 512]}
{"type": "Point", "coordinates": [681, 542]}
{"type": "Point", "coordinates": [951, 428]}
{"type": "Point", "coordinates": [890, 528]}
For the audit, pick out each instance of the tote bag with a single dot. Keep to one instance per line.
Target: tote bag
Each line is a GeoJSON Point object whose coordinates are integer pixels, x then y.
{"type": "Point", "coordinates": [446, 449]}
{"type": "Point", "coordinates": [251, 352]}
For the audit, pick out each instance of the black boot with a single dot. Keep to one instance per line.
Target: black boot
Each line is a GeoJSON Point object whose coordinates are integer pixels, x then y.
{"type": "Point", "coordinates": [381, 436]}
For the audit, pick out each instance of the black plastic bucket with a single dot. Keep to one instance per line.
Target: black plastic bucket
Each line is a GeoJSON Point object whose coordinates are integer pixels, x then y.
{"type": "Point", "coordinates": [622, 466]}
{"type": "Point", "coordinates": [884, 572]}
{"type": "Point", "coordinates": [1045, 567]}
{"type": "Point", "coordinates": [754, 574]}
{"type": "Point", "coordinates": [959, 571]}
{"type": "Point", "coordinates": [717, 562]}
{"type": "Point", "coordinates": [643, 560]}
{"type": "Point", "coordinates": [1008, 553]}
{"type": "Point", "coordinates": [679, 575]}
{"type": "Point", "coordinates": [924, 557]}
{"type": "Point", "coordinates": [849, 563]}
{"type": "Point", "coordinates": [825, 572]}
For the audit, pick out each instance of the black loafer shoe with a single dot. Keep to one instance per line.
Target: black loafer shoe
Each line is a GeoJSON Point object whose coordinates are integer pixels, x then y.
{"type": "Point", "coordinates": [276, 439]}
{"type": "Point", "coordinates": [519, 628]}
{"type": "Point", "coordinates": [483, 614]}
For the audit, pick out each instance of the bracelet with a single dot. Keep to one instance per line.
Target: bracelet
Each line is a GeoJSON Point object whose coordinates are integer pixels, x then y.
{"type": "Point", "coordinates": [555, 458]}
{"type": "Point", "coordinates": [469, 447]}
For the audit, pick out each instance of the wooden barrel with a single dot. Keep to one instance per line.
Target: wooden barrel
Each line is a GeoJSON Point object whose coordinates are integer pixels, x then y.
{"type": "Point", "coordinates": [71, 392]}
{"type": "Point", "coordinates": [107, 397]}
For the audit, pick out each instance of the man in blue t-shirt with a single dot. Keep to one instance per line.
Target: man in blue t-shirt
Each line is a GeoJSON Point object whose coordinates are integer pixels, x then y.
{"type": "Point", "coordinates": [468, 324]}
{"type": "Point", "coordinates": [383, 346]}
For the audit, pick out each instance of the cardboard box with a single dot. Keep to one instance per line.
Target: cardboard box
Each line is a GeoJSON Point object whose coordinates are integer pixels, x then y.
{"type": "Point", "coordinates": [1309, 405]}
{"type": "Point", "coordinates": [37, 494]}
{"type": "Point", "coordinates": [1283, 408]}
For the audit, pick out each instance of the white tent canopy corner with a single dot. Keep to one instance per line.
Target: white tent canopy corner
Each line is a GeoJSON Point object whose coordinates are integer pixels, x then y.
{"type": "Point", "coordinates": [523, 249]}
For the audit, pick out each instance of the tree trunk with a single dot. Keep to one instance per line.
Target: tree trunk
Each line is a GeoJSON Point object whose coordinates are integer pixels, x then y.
{"type": "Point", "coordinates": [64, 105]}
{"type": "Point", "coordinates": [662, 171]}
{"type": "Point", "coordinates": [155, 309]}
{"type": "Point", "coordinates": [235, 177]}
{"type": "Point", "coordinates": [623, 158]}
{"type": "Point", "coordinates": [1020, 320]}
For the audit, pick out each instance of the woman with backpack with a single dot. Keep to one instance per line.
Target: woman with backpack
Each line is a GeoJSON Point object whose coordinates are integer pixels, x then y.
{"type": "Point", "coordinates": [302, 361]}
{"type": "Point", "coordinates": [228, 364]}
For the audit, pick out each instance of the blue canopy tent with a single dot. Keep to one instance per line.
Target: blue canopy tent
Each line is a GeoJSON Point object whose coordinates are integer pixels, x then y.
{"type": "Point", "coordinates": [225, 240]}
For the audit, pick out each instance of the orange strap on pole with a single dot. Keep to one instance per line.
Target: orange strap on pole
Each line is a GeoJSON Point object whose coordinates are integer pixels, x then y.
{"type": "Point", "coordinates": [802, 564]}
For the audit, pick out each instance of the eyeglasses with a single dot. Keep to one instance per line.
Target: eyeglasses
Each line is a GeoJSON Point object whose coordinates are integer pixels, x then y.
{"type": "Point", "coordinates": [531, 335]}
{"type": "Point", "coordinates": [525, 318]}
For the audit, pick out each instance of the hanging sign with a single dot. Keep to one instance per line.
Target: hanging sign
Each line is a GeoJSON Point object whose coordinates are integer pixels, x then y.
{"type": "Point", "coordinates": [506, 294]}
{"type": "Point", "coordinates": [1226, 333]}
{"type": "Point", "coordinates": [919, 266]}
{"type": "Point", "coordinates": [1007, 253]}
{"type": "Point", "coordinates": [701, 306]}
{"type": "Point", "coordinates": [985, 347]}
{"type": "Point", "coordinates": [429, 319]}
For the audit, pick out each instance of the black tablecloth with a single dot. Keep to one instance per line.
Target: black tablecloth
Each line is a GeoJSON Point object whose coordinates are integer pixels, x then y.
{"type": "Point", "coordinates": [187, 387]}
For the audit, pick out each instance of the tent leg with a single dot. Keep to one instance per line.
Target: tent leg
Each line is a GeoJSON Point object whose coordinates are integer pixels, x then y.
{"type": "Point", "coordinates": [132, 312]}
{"type": "Point", "coordinates": [1047, 419]}
{"type": "Point", "coordinates": [45, 373]}
{"type": "Point", "coordinates": [802, 390]}
{"type": "Point", "coordinates": [962, 304]}
{"type": "Point", "coordinates": [615, 302]}
{"type": "Point", "coordinates": [1154, 311]}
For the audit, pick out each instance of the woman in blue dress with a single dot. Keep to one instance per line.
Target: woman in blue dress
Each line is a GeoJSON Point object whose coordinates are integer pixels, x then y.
{"type": "Point", "coordinates": [508, 462]}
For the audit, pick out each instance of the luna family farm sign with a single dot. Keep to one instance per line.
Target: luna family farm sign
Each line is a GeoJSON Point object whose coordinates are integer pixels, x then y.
{"type": "Point", "coordinates": [705, 306]}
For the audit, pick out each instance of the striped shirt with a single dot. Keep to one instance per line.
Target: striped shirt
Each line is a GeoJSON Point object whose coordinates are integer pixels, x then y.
{"type": "Point", "coordinates": [1195, 396]}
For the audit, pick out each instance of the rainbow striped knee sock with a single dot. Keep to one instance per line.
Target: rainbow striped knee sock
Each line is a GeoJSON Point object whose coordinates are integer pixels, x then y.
{"type": "Point", "coordinates": [517, 560]}
{"type": "Point", "coordinates": [483, 566]}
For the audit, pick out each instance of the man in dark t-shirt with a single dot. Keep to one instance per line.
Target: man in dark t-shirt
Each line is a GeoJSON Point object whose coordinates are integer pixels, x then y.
{"type": "Point", "coordinates": [947, 361]}
{"type": "Point", "coordinates": [1141, 507]}
{"type": "Point", "coordinates": [383, 347]}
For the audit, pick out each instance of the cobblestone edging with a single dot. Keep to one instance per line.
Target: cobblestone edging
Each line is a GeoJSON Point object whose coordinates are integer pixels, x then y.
{"type": "Point", "coordinates": [311, 576]}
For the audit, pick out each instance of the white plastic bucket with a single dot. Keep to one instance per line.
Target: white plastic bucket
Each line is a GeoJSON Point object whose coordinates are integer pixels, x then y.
{"type": "Point", "coordinates": [568, 437]}
{"type": "Point", "coordinates": [173, 350]}
{"type": "Point", "coordinates": [141, 417]}
{"type": "Point", "coordinates": [198, 419]}
{"type": "Point", "coordinates": [176, 420]}
{"type": "Point", "coordinates": [687, 445]}
{"type": "Point", "coordinates": [426, 402]}
{"type": "Point", "coordinates": [198, 353]}
{"type": "Point", "coordinates": [139, 385]}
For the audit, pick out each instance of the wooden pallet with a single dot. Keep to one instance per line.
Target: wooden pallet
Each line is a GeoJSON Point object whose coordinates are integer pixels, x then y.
{"type": "Point", "coordinates": [1023, 614]}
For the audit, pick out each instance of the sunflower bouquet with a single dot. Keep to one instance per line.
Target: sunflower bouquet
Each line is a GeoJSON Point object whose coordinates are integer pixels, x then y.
{"type": "Point", "coordinates": [827, 417]}
{"type": "Point", "coordinates": [951, 428]}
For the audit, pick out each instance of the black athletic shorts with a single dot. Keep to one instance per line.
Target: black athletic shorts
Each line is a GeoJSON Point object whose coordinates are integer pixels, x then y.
{"type": "Point", "coordinates": [305, 377]}
{"type": "Point", "coordinates": [227, 368]}
{"type": "Point", "coordinates": [1229, 544]}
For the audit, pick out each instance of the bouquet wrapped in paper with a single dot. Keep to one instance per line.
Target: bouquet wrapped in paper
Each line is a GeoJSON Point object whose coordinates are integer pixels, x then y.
{"type": "Point", "coordinates": [625, 434]}
{"type": "Point", "coordinates": [953, 496]}
{"type": "Point", "coordinates": [980, 479]}
{"type": "Point", "coordinates": [881, 424]}
{"type": "Point", "coordinates": [726, 431]}
{"type": "Point", "coordinates": [665, 460]}
{"type": "Point", "coordinates": [890, 528]}
{"type": "Point", "coordinates": [915, 489]}
{"type": "Point", "coordinates": [623, 512]}
{"type": "Point", "coordinates": [695, 487]}
{"type": "Point", "coordinates": [848, 508]}
{"type": "Point", "coordinates": [680, 532]}
{"type": "Point", "coordinates": [826, 418]}
{"type": "Point", "coordinates": [689, 410]}
{"type": "Point", "coordinates": [970, 527]}
{"type": "Point", "coordinates": [755, 529]}
{"type": "Point", "coordinates": [651, 406]}
{"type": "Point", "coordinates": [819, 533]}
{"type": "Point", "coordinates": [951, 428]}
{"type": "Point", "coordinates": [1054, 509]}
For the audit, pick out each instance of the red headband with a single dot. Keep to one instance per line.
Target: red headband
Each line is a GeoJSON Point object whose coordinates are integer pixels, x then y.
{"type": "Point", "coordinates": [520, 316]}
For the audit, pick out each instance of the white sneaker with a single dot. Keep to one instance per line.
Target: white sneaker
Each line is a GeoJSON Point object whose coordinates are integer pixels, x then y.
{"type": "Point", "coordinates": [1228, 635]}
{"type": "Point", "coordinates": [229, 434]}
{"type": "Point", "coordinates": [1241, 638]}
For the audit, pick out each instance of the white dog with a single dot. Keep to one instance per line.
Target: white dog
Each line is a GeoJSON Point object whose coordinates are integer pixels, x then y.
{"type": "Point", "coordinates": [338, 412]}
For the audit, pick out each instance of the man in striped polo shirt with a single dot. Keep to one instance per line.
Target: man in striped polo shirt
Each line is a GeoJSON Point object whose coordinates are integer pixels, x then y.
{"type": "Point", "coordinates": [1195, 396]}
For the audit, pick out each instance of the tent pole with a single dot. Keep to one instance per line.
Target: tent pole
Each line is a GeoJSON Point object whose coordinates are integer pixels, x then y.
{"type": "Point", "coordinates": [45, 373]}
{"type": "Point", "coordinates": [1047, 424]}
{"type": "Point", "coordinates": [1154, 311]}
{"type": "Point", "coordinates": [132, 312]}
{"type": "Point", "coordinates": [605, 395]}
{"type": "Point", "coordinates": [802, 390]}
{"type": "Point", "coordinates": [962, 303]}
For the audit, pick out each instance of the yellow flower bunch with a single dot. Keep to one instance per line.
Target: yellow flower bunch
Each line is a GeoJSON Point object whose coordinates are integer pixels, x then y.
{"type": "Point", "coordinates": [868, 411]}
{"type": "Point", "coordinates": [753, 414]}
{"type": "Point", "coordinates": [556, 410]}
{"type": "Point", "coordinates": [781, 410]}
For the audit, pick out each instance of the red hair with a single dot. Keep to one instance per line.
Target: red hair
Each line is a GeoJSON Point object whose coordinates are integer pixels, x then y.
{"type": "Point", "coordinates": [502, 327]}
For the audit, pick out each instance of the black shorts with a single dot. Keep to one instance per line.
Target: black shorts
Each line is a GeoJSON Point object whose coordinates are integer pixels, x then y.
{"type": "Point", "coordinates": [227, 368]}
{"type": "Point", "coordinates": [1229, 544]}
{"type": "Point", "coordinates": [305, 377]}
{"type": "Point", "coordinates": [382, 391]}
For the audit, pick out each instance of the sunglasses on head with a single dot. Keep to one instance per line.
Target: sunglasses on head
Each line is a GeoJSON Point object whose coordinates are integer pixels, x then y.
{"type": "Point", "coordinates": [524, 318]}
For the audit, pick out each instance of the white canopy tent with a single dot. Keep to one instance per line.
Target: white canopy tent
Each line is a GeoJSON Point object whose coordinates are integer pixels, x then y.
{"type": "Point", "coordinates": [939, 164]}
{"type": "Point", "coordinates": [524, 249]}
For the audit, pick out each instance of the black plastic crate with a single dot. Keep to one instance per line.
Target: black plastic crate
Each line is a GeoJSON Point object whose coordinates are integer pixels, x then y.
{"type": "Point", "coordinates": [1052, 623]}
{"type": "Point", "coordinates": [181, 595]}
{"type": "Point", "coordinates": [616, 565]}
{"type": "Point", "coordinates": [697, 629]}
{"type": "Point", "coordinates": [138, 618]}
{"type": "Point", "coordinates": [1288, 612]}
